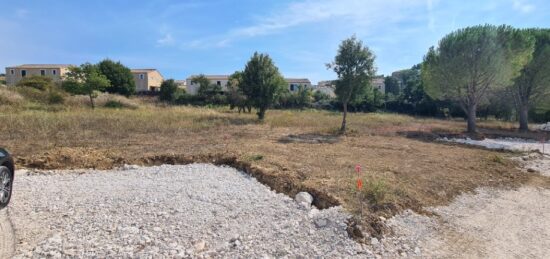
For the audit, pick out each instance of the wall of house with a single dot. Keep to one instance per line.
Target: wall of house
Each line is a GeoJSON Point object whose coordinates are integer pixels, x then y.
{"type": "Point", "coordinates": [141, 81]}
{"type": "Point", "coordinates": [14, 74]}
{"type": "Point", "coordinates": [194, 88]}
{"type": "Point", "coordinates": [293, 86]}
{"type": "Point", "coordinates": [154, 80]}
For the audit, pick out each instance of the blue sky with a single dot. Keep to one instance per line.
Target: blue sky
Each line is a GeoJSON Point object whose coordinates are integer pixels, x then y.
{"type": "Point", "coordinates": [186, 37]}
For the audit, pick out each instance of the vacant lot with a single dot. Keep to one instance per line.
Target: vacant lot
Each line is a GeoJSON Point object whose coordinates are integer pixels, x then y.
{"type": "Point", "coordinates": [291, 151]}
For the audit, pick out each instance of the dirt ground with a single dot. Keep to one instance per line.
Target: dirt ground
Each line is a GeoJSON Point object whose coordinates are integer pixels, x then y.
{"type": "Point", "coordinates": [403, 167]}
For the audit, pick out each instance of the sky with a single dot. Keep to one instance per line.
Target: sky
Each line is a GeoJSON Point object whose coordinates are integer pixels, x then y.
{"type": "Point", "coordinates": [187, 37]}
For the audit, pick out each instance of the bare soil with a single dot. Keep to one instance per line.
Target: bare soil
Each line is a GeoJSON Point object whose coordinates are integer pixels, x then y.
{"type": "Point", "coordinates": [292, 151]}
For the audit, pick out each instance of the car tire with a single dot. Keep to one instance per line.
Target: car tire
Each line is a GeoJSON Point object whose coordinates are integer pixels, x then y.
{"type": "Point", "coordinates": [6, 183]}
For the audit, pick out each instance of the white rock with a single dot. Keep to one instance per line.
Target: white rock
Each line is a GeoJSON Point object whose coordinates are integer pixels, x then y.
{"type": "Point", "coordinates": [321, 222]}
{"type": "Point", "coordinates": [304, 198]}
{"type": "Point", "coordinates": [374, 241]}
{"type": "Point", "coordinates": [199, 246]}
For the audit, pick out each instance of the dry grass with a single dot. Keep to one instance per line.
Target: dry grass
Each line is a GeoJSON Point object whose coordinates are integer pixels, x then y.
{"type": "Point", "coordinates": [289, 147]}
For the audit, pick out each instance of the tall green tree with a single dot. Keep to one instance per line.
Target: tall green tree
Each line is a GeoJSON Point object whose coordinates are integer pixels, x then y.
{"type": "Point", "coordinates": [120, 76]}
{"type": "Point", "coordinates": [168, 90]}
{"type": "Point", "coordinates": [261, 82]}
{"type": "Point", "coordinates": [354, 65]}
{"type": "Point", "coordinates": [87, 80]}
{"type": "Point", "coordinates": [470, 62]}
{"type": "Point", "coordinates": [533, 84]}
{"type": "Point", "coordinates": [391, 85]}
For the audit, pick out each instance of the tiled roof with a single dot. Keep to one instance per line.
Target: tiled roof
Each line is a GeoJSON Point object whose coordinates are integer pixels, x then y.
{"type": "Point", "coordinates": [42, 66]}
{"type": "Point", "coordinates": [142, 70]}
{"type": "Point", "coordinates": [298, 80]}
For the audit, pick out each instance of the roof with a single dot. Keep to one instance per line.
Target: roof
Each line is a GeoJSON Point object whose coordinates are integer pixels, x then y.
{"type": "Point", "coordinates": [298, 80]}
{"type": "Point", "coordinates": [42, 66]}
{"type": "Point", "coordinates": [143, 70]}
{"type": "Point", "coordinates": [212, 77]}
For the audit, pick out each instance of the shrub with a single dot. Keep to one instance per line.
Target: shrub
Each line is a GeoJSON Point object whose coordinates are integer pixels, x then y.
{"type": "Point", "coordinates": [168, 90]}
{"type": "Point", "coordinates": [113, 104]}
{"type": "Point", "coordinates": [376, 190]}
{"type": "Point", "coordinates": [37, 82]}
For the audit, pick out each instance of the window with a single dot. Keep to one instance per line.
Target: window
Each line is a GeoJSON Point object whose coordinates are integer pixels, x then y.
{"type": "Point", "coordinates": [292, 87]}
{"type": "Point", "coordinates": [54, 72]}
{"type": "Point", "coordinates": [219, 83]}
{"type": "Point", "coordinates": [42, 72]}
{"type": "Point", "coordinates": [12, 71]}
{"type": "Point", "coordinates": [141, 76]}
{"type": "Point", "coordinates": [23, 73]}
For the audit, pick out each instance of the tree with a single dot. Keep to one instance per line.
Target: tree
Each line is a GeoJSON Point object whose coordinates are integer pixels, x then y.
{"type": "Point", "coordinates": [470, 62]}
{"type": "Point", "coordinates": [392, 85]}
{"type": "Point", "coordinates": [86, 80]}
{"type": "Point", "coordinates": [37, 82]}
{"type": "Point", "coordinates": [533, 84]}
{"type": "Point", "coordinates": [262, 82]}
{"type": "Point", "coordinates": [354, 65]}
{"type": "Point", "coordinates": [168, 90]}
{"type": "Point", "coordinates": [121, 78]}
{"type": "Point", "coordinates": [208, 92]}
{"type": "Point", "coordinates": [235, 95]}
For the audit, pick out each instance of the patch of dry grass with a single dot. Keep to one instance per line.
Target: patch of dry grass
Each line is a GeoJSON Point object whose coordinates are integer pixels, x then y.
{"type": "Point", "coordinates": [399, 172]}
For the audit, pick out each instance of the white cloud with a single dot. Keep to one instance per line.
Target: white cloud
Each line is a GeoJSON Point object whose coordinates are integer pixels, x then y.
{"type": "Point", "coordinates": [166, 40]}
{"type": "Point", "coordinates": [358, 14]}
{"type": "Point", "coordinates": [523, 6]}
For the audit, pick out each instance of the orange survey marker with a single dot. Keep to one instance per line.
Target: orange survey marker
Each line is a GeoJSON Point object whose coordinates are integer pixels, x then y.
{"type": "Point", "coordinates": [358, 168]}
{"type": "Point", "coordinates": [359, 184]}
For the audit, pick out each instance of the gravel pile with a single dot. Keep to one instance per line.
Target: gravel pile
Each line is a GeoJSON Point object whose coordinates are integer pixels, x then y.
{"type": "Point", "coordinates": [196, 210]}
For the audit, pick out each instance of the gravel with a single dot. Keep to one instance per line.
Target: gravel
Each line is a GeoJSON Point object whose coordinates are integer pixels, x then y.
{"type": "Point", "coordinates": [196, 210]}
{"type": "Point", "coordinates": [490, 223]}
{"type": "Point", "coordinates": [513, 144]}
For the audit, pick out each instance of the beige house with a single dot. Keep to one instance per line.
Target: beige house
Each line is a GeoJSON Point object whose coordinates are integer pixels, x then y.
{"type": "Point", "coordinates": [221, 80]}
{"type": "Point", "coordinates": [147, 80]}
{"type": "Point", "coordinates": [16, 73]}
{"type": "Point", "coordinates": [293, 83]}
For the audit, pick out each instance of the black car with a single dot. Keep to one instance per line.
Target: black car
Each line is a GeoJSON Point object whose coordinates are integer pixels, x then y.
{"type": "Point", "coordinates": [7, 170]}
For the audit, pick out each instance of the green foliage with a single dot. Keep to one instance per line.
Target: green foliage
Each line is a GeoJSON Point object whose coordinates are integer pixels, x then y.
{"type": "Point", "coordinates": [376, 191]}
{"type": "Point", "coordinates": [392, 85]}
{"type": "Point", "coordinates": [120, 76]}
{"type": "Point", "coordinates": [532, 87]}
{"type": "Point", "coordinates": [168, 90]}
{"type": "Point", "coordinates": [86, 80]}
{"type": "Point", "coordinates": [235, 95]}
{"type": "Point", "coordinates": [261, 82]}
{"type": "Point", "coordinates": [37, 82]}
{"type": "Point", "coordinates": [470, 62]}
{"type": "Point", "coordinates": [209, 93]}
{"type": "Point", "coordinates": [354, 65]}
{"type": "Point", "coordinates": [301, 98]}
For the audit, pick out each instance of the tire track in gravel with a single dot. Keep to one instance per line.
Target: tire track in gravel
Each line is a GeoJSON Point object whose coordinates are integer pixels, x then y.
{"type": "Point", "coordinates": [7, 237]}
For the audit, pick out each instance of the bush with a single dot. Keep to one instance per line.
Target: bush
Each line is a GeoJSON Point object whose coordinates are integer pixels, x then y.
{"type": "Point", "coordinates": [113, 104]}
{"type": "Point", "coordinates": [168, 90]}
{"type": "Point", "coordinates": [56, 97]}
{"type": "Point", "coordinates": [37, 82]}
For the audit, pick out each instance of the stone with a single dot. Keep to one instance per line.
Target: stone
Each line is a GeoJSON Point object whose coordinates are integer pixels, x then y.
{"type": "Point", "coordinates": [304, 198]}
{"type": "Point", "coordinates": [321, 222]}
{"type": "Point", "coordinates": [417, 250]}
{"type": "Point", "coordinates": [199, 246]}
{"type": "Point", "coordinates": [374, 241]}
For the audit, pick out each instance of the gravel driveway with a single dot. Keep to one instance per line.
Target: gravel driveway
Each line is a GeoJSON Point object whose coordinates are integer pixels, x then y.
{"type": "Point", "coordinates": [196, 210]}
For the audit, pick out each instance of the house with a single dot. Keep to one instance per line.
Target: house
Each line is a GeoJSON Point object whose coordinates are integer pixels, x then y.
{"type": "Point", "coordinates": [221, 80]}
{"type": "Point", "coordinates": [378, 84]}
{"type": "Point", "coordinates": [147, 80]}
{"type": "Point", "coordinates": [182, 84]}
{"type": "Point", "coordinates": [14, 74]}
{"type": "Point", "coordinates": [293, 83]}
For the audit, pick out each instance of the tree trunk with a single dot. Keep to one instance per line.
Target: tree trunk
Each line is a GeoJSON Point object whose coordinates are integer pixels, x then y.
{"type": "Point", "coordinates": [261, 113]}
{"type": "Point", "coordinates": [472, 118]}
{"type": "Point", "coordinates": [524, 118]}
{"type": "Point", "coordinates": [343, 128]}
{"type": "Point", "coordinates": [92, 102]}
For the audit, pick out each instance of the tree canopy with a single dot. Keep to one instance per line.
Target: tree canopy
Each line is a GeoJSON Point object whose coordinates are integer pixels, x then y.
{"type": "Point", "coordinates": [470, 62]}
{"type": "Point", "coordinates": [120, 76]}
{"type": "Point", "coordinates": [87, 80]}
{"type": "Point", "coordinates": [354, 65]}
{"type": "Point", "coordinates": [261, 82]}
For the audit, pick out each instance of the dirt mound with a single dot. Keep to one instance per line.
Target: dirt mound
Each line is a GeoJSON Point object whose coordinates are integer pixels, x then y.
{"type": "Point", "coordinates": [72, 158]}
